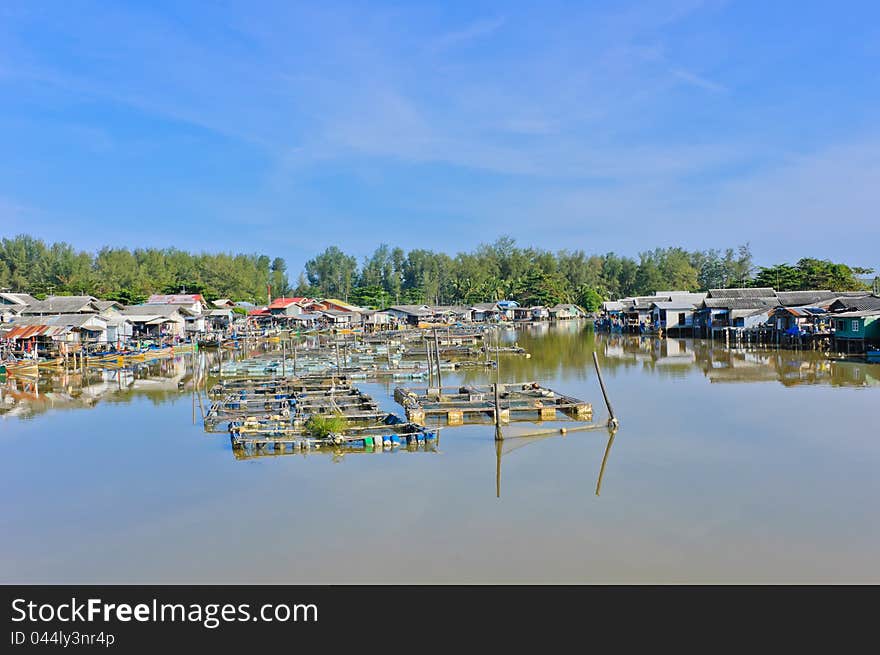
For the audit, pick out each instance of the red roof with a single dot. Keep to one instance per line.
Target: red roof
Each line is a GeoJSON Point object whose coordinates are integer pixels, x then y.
{"type": "Point", "coordinates": [281, 303]}
{"type": "Point", "coordinates": [259, 312]}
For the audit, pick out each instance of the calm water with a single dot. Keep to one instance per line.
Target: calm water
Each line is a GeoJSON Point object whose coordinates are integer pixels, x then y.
{"type": "Point", "coordinates": [728, 467]}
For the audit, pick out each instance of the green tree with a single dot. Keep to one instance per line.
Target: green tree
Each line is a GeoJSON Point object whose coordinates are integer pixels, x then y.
{"type": "Point", "coordinates": [332, 273]}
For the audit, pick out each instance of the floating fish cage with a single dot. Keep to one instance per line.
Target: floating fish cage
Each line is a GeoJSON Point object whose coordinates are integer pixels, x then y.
{"type": "Point", "coordinates": [527, 401]}
{"type": "Point", "coordinates": [265, 434]}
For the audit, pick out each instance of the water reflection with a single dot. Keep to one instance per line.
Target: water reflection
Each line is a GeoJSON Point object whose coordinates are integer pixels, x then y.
{"type": "Point", "coordinates": [565, 350]}
{"type": "Point", "coordinates": [681, 490]}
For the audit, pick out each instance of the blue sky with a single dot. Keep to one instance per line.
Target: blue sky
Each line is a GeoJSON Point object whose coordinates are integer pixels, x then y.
{"type": "Point", "coordinates": [284, 127]}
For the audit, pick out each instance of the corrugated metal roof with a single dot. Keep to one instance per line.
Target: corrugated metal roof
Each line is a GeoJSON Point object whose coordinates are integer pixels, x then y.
{"type": "Point", "coordinates": [63, 305]}
{"type": "Point", "coordinates": [743, 292]}
{"type": "Point", "coordinates": [864, 303]}
{"type": "Point", "coordinates": [801, 298]}
{"type": "Point", "coordinates": [865, 313]}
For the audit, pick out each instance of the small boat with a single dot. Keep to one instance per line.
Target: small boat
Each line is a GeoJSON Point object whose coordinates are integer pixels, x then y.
{"type": "Point", "coordinates": [873, 356]}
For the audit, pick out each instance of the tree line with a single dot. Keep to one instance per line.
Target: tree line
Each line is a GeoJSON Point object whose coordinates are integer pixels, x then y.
{"type": "Point", "coordinates": [500, 270]}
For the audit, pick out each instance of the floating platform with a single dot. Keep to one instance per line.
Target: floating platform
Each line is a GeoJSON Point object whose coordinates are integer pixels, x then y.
{"type": "Point", "coordinates": [526, 401]}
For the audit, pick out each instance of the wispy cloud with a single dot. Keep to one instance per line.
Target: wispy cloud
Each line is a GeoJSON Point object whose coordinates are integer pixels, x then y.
{"type": "Point", "coordinates": [475, 30]}
{"type": "Point", "coordinates": [698, 80]}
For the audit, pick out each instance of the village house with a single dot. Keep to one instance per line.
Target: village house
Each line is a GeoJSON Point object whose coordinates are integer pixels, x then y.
{"type": "Point", "coordinates": [288, 306]}
{"type": "Point", "coordinates": [674, 316]}
{"type": "Point", "coordinates": [490, 311]}
{"type": "Point", "coordinates": [637, 312]}
{"type": "Point", "coordinates": [795, 321]}
{"type": "Point", "coordinates": [734, 308]}
{"type": "Point", "coordinates": [854, 331]}
{"type": "Point", "coordinates": [341, 319]}
{"type": "Point", "coordinates": [507, 307]}
{"type": "Point", "coordinates": [218, 319]}
{"type": "Point", "coordinates": [193, 303]}
{"type": "Point", "coordinates": [565, 312]}
{"type": "Point", "coordinates": [339, 305]}
{"type": "Point", "coordinates": [410, 314]}
{"type": "Point", "coordinates": [12, 304]}
{"type": "Point", "coordinates": [375, 320]}
{"type": "Point", "coordinates": [47, 333]}
{"type": "Point", "coordinates": [453, 313]}
{"type": "Point", "coordinates": [161, 320]}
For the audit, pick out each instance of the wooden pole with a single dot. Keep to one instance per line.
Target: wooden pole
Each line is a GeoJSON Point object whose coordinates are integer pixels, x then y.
{"type": "Point", "coordinates": [283, 359]}
{"type": "Point", "coordinates": [294, 359]}
{"type": "Point", "coordinates": [498, 435]}
{"type": "Point", "coordinates": [430, 359]}
{"type": "Point", "coordinates": [612, 420]}
{"type": "Point", "coordinates": [437, 346]}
